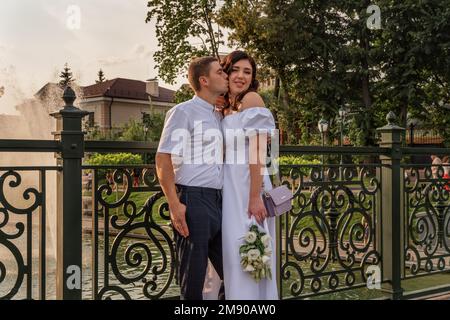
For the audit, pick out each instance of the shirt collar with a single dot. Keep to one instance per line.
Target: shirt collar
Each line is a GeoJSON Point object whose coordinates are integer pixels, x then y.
{"type": "Point", "coordinates": [203, 103]}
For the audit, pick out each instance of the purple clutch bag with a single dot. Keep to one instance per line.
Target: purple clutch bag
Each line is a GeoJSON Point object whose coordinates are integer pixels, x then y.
{"type": "Point", "coordinates": [278, 201]}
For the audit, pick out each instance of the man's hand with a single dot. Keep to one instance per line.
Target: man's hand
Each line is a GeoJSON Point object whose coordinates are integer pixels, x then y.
{"type": "Point", "coordinates": [166, 176]}
{"type": "Point", "coordinates": [257, 209]}
{"type": "Point", "coordinates": [178, 218]}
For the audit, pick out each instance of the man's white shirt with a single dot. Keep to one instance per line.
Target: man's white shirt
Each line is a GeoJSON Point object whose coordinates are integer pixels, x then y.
{"type": "Point", "coordinates": [192, 134]}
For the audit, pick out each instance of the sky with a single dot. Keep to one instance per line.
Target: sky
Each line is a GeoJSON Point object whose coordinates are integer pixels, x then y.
{"type": "Point", "coordinates": [37, 37]}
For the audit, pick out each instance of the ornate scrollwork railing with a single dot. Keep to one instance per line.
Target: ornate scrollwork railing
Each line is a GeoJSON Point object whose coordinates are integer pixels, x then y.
{"type": "Point", "coordinates": [329, 238]}
{"type": "Point", "coordinates": [139, 257]}
{"type": "Point", "coordinates": [20, 239]}
{"type": "Point", "coordinates": [427, 220]}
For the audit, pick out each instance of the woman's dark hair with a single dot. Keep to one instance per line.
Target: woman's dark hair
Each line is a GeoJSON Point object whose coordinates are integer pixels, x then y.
{"type": "Point", "coordinates": [227, 66]}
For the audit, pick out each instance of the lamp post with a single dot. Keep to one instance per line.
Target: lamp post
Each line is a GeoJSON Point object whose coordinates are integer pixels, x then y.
{"type": "Point", "coordinates": [145, 131]}
{"type": "Point", "coordinates": [145, 123]}
{"type": "Point", "coordinates": [323, 128]}
{"type": "Point", "coordinates": [342, 114]}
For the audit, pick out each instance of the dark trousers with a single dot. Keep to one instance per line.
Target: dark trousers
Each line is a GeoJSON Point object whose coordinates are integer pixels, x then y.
{"type": "Point", "coordinates": [204, 220]}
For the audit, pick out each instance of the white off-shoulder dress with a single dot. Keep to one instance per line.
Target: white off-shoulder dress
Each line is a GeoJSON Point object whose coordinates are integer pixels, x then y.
{"type": "Point", "coordinates": [235, 222]}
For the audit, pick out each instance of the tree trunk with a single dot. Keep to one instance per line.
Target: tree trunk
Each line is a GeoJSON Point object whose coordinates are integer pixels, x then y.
{"type": "Point", "coordinates": [403, 113]}
{"type": "Point", "coordinates": [276, 90]}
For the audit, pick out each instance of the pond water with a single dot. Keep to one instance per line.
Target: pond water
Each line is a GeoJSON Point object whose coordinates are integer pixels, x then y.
{"type": "Point", "coordinates": [136, 289]}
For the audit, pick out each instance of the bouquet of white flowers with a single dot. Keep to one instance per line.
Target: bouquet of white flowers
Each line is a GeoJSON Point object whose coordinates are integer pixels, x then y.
{"type": "Point", "coordinates": [255, 253]}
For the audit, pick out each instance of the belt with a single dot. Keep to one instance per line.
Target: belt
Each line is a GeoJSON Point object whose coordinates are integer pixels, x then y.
{"type": "Point", "coordinates": [201, 190]}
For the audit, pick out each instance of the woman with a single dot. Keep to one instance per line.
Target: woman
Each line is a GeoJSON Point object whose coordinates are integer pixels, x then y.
{"type": "Point", "coordinates": [244, 113]}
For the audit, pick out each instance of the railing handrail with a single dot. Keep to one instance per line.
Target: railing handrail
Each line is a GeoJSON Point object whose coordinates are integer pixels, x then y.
{"type": "Point", "coordinates": [120, 146]}
{"type": "Point", "coordinates": [31, 168]}
{"type": "Point", "coordinates": [425, 151]}
{"type": "Point", "coordinates": [117, 166]}
{"type": "Point", "coordinates": [16, 145]}
{"type": "Point", "coordinates": [333, 150]}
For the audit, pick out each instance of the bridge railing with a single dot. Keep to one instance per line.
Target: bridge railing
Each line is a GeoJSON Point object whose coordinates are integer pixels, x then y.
{"type": "Point", "coordinates": [364, 226]}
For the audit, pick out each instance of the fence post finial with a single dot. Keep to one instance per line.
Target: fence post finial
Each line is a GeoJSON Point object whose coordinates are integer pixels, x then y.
{"type": "Point", "coordinates": [69, 97]}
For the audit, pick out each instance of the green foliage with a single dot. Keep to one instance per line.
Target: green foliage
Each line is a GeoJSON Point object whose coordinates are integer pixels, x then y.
{"type": "Point", "coordinates": [289, 160]}
{"type": "Point", "coordinates": [326, 57]}
{"type": "Point", "coordinates": [298, 160]}
{"type": "Point", "coordinates": [183, 94]}
{"type": "Point", "coordinates": [99, 159]}
{"type": "Point", "coordinates": [95, 133]}
{"type": "Point", "coordinates": [154, 123]}
{"type": "Point", "coordinates": [133, 130]}
{"type": "Point", "coordinates": [177, 24]}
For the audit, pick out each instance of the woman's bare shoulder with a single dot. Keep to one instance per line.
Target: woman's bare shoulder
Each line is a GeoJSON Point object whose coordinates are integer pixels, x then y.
{"type": "Point", "coordinates": [251, 100]}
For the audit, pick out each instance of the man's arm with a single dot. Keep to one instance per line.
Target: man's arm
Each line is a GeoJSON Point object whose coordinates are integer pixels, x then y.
{"type": "Point", "coordinates": [166, 176]}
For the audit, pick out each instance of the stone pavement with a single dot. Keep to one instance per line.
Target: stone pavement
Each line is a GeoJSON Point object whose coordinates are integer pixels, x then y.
{"type": "Point", "coordinates": [442, 297]}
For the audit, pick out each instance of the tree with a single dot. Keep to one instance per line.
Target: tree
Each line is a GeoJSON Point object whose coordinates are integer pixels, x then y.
{"type": "Point", "coordinates": [154, 123]}
{"type": "Point", "coordinates": [178, 23]}
{"type": "Point", "coordinates": [135, 130]}
{"type": "Point", "coordinates": [416, 47]}
{"type": "Point", "coordinates": [308, 41]}
{"type": "Point", "coordinates": [66, 77]}
{"type": "Point", "coordinates": [95, 133]}
{"type": "Point", "coordinates": [183, 94]}
{"type": "Point", "coordinates": [101, 76]}
{"type": "Point", "coordinates": [326, 57]}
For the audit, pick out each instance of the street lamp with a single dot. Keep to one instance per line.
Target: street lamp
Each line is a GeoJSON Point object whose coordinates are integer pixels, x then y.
{"type": "Point", "coordinates": [323, 128]}
{"type": "Point", "coordinates": [145, 131]}
{"type": "Point", "coordinates": [342, 114]}
{"type": "Point", "coordinates": [145, 123]}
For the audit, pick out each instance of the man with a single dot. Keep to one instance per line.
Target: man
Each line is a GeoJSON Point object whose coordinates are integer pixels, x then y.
{"type": "Point", "coordinates": [191, 182]}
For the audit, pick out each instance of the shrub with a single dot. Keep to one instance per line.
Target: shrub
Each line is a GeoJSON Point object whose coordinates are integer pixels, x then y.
{"type": "Point", "coordinates": [98, 159]}
{"type": "Point", "coordinates": [290, 160]}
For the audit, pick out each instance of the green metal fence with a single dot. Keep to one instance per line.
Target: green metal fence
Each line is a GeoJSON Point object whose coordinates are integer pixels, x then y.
{"type": "Point", "coordinates": [357, 230]}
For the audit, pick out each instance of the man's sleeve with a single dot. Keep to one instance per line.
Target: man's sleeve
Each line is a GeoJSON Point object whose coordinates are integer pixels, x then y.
{"type": "Point", "coordinates": [175, 134]}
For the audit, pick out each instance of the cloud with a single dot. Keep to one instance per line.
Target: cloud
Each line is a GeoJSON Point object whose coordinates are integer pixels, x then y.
{"type": "Point", "coordinates": [141, 51]}
{"type": "Point", "coordinates": [138, 52]}
{"type": "Point", "coordinates": [112, 61]}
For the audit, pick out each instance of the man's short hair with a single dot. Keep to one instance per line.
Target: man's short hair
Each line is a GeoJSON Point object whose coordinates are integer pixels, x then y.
{"type": "Point", "coordinates": [197, 68]}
